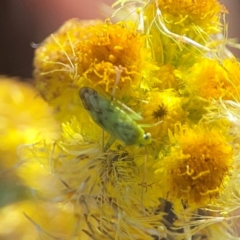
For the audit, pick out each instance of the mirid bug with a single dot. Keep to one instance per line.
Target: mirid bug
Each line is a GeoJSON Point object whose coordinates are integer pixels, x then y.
{"type": "Point", "coordinates": [112, 119]}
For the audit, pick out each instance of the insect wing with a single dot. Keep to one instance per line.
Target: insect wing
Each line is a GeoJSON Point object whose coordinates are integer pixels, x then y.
{"type": "Point", "coordinates": [111, 118]}
{"type": "Point", "coordinates": [97, 106]}
{"type": "Point", "coordinates": [124, 128]}
{"type": "Point", "coordinates": [107, 114]}
{"type": "Point", "coordinates": [116, 121]}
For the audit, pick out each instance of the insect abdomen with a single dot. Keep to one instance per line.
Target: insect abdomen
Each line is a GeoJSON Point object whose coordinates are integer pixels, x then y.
{"type": "Point", "coordinates": [125, 129]}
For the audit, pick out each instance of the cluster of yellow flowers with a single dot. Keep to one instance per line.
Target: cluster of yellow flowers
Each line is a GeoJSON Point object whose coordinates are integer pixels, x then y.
{"type": "Point", "coordinates": [164, 64]}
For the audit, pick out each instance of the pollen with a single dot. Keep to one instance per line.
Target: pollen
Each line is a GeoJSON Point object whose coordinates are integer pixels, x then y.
{"type": "Point", "coordinates": [197, 167]}
{"type": "Point", "coordinates": [115, 49]}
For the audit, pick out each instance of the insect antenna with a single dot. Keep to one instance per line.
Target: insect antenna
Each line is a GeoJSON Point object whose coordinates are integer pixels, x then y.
{"type": "Point", "coordinates": [109, 143]}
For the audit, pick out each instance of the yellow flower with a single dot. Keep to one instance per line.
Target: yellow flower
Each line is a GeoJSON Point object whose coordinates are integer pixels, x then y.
{"type": "Point", "coordinates": [197, 167]}
{"type": "Point", "coordinates": [57, 75]}
{"type": "Point", "coordinates": [116, 49]}
{"type": "Point", "coordinates": [164, 110]}
{"type": "Point", "coordinates": [208, 79]}
{"type": "Point", "coordinates": [25, 118]}
{"type": "Point", "coordinates": [104, 55]}
{"type": "Point", "coordinates": [166, 78]}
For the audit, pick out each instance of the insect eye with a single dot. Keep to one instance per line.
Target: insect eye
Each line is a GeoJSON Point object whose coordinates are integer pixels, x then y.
{"type": "Point", "coordinates": [146, 140]}
{"type": "Point", "coordinates": [147, 136]}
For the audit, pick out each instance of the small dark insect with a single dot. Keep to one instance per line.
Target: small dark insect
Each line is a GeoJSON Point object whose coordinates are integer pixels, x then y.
{"type": "Point", "coordinates": [160, 112]}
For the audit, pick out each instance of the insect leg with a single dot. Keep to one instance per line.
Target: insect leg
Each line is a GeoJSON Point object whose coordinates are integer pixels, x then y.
{"type": "Point", "coordinates": [109, 143]}
{"type": "Point", "coordinates": [144, 175]}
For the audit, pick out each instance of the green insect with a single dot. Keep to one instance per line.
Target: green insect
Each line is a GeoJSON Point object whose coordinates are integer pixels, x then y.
{"type": "Point", "coordinates": [112, 119]}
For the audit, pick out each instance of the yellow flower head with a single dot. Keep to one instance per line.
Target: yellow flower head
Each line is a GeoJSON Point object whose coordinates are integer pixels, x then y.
{"type": "Point", "coordinates": [115, 56]}
{"type": "Point", "coordinates": [163, 111]}
{"type": "Point", "coordinates": [209, 80]}
{"type": "Point", "coordinates": [104, 55]}
{"type": "Point", "coordinates": [196, 168]}
{"type": "Point", "coordinates": [24, 117]}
